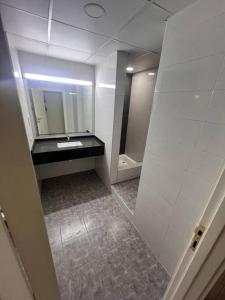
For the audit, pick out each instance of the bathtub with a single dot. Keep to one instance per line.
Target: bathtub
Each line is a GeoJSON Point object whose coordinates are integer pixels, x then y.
{"type": "Point", "coordinates": [128, 168]}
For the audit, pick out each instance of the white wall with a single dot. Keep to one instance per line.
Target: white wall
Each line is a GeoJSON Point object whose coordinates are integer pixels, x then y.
{"type": "Point", "coordinates": [122, 60]}
{"type": "Point", "coordinates": [104, 116]}
{"type": "Point", "coordinates": [108, 113]}
{"type": "Point", "coordinates": [142, 91]}
{"type": "Point", "coordinates": [33, 63]}
{"type": "Point", "coordinates": [21, 90]}
{"type": "Point", "coordinates": [185, 148]}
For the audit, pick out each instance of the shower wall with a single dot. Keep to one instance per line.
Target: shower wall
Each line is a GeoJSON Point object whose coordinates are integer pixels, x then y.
{"type": "Point", "coordinates": [126, 107]}
{"type": "Point", "coordinates": [142, 91]}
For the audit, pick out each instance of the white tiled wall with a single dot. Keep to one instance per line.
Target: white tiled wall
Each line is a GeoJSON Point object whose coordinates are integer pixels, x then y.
{"type": "Point", "coordinates": [185, 148]}
{"type": "Point", "coordinates": [122, 59]}
{"type": "Point", "coordinates": [104, 116]}
{"type": "Point", "coordinates": [108, 114]}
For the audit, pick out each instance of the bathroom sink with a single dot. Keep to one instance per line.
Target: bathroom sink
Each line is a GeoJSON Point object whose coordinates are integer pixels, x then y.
{"type": "Point", "coordinates": [69, 144]}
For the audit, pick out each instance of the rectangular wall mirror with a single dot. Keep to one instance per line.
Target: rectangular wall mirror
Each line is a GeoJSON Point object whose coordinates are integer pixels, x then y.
{"type": "Point", "coordinates": [59, 94]}
{"type": "Point", "coordinates": [61, 109]}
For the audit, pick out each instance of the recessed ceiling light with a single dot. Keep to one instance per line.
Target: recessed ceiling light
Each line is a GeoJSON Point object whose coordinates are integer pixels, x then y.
{"type": "Point", "coordinates": [151, 73]}
{"type": "Point", "coordinates": [130, 69]}
{"type": "Point", "coordinates": [94, 10]}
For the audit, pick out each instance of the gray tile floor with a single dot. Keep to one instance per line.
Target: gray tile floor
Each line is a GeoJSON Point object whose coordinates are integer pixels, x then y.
{"type": "Point", "coordinates": [127, 190]}
{"type": "Point", "coordinates": [96, 251]}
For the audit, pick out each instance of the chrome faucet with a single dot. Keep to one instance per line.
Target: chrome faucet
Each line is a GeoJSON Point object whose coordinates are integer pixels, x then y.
{"type": "Point", "coordinates": [68, 138]}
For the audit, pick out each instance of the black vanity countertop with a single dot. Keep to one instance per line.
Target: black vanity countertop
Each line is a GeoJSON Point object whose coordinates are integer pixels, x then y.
{"type": "Point", "coordinates": [46, 150]}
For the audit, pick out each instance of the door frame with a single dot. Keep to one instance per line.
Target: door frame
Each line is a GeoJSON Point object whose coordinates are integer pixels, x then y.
{"type": "Point", "coordinates": [14, 271]}
{"type": "Point", "coordinates": [188, 269]}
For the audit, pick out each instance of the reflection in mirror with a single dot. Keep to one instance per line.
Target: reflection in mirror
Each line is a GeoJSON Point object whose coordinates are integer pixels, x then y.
{"type": "Point", "coordinates": [61, 109]}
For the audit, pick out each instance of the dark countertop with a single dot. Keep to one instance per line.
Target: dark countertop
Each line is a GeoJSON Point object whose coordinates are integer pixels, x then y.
{"type": "Point", "coordinates": [46, 150]}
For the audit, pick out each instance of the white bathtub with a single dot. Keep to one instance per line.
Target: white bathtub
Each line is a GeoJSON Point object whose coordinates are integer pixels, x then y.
{"type": "Point", "coordinates": [128, 168]}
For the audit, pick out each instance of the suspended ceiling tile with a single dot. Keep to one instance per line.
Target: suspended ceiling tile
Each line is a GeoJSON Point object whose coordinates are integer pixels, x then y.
{"type": "Point", "coordinates": [146, 30]}
{"type": "Point", "coordinates": [112, 46]}
{"type": "Point", "coordinates": [175, 5]}
{"type": "Point", "coordinates": [117, 13]}
{"type": "Point", "coordinates": [74, 38]}
{"type": "Point", "coordinates": [26, 44]}
{"type": "Point", "coordinates": [24, 24]}
{"type": "Point", "coordinates": [68, 54]}
{"type": "Point", "coordinates": [39, 7]}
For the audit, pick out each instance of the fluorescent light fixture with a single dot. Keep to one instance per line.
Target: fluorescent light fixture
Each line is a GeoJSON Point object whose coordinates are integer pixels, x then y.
{"type": "Point", "coordinates": [151, 73]}
{"type": "Point", "coordinates": [41, 77]}
{"type": "Point", "coordinates": [72, 93]}
{"type": "Point", "coordinates": [107, 86]}
{"type": "Point", "coordinates": [130, 69]}
{"type": "Point", "coordinates": [16, 74]}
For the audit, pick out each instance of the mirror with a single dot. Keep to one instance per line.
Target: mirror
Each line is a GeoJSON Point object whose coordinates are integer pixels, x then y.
{"type": "Point", "coordinates": [61, 109]}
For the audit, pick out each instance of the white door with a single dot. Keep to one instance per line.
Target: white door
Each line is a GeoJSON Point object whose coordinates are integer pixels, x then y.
{"type": "Point", "coordinates": [40, 111]}
{"type": "Point", "coordinates": [196, 269]}
{"type": "Point", "coordinates": [12, 281]}
{"type": "Point", "coordinates": [54, 110]}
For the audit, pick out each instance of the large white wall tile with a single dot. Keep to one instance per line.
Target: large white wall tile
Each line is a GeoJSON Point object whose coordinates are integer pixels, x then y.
{"type": "Point", "coordinates": [206, 165]}
{"type": "Point", "coordinates": [162, 180]}
{"type": "Point", "coordinates": [185, 105]}
{"type": "Point", "coordinates": [213, 139]}
{"type": "Point", "coordinates": [193, 75]}
{"type": "Point", "coordinates": [153, 220]}
{"type": "Point", "coordinates": [216, 111]}
{"type": "Point", "coordinates": [168, 152]}
{"type": "Point", "coordinates": [189, 46]}
{"type": "Point", "coordinates": [175, 130]}
{"type": "Point", "coordinates": [24, 24]}
{"type": "Point", "coordinates": [220, 83]}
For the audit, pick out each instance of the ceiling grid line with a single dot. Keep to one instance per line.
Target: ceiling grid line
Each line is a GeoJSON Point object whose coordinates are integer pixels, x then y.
{"type": "Point", "coordinates": [50, 19]}
{"type": "Point", "coordinates": [128, 25]}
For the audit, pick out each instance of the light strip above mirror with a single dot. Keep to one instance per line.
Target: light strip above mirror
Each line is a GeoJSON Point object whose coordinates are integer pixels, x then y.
{"type": "Point", "coordinates": [41, 77]}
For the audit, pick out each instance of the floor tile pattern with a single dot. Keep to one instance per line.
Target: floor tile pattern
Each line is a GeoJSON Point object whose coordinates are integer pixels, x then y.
{"type": "Point", "coordinates": [127, 190]}
{"type": "Point", "coordinates": [96, 251]}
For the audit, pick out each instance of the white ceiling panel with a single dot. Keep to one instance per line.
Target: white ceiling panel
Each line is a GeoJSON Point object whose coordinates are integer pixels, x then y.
{"type": "Point", "coordinates": [66, 53]}
{"type": "Point", "coordinates": [113, 46]}
{"type": "Point", "coordinates": [39, 7]}
{"type": "Point", "coordinates": [41, 48]}
{"type": "Point", "coordinates": [175, 5]}
{"type": "Point", "coordinates": [70, 37]}
{"type": "Point", "coordinates": [146, 30]}
{"type": "Point", "coordinates": [24, 24]}
{"type": "Point", "coordinates": [118, 12]}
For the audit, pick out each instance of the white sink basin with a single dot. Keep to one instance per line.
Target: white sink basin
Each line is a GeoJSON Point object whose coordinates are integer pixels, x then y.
{"type": "Point", "coordinates": [69, 144]}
